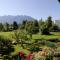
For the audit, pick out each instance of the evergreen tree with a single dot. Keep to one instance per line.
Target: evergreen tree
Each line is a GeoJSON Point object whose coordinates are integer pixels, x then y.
{"type": "Point", "coordinates": [15, 25]}
{"type": "Point", "coordinates": [1, 27]}
{"type": "Point", "coordinates": [7, 27]}
{"type": "Point", "coordinates": [49, 22]}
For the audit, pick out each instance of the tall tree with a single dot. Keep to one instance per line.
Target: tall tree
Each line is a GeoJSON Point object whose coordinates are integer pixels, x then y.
{"type": "Point", "coordinates": [15, 25]}
{"type": "Point", "coordinates": [49, 22]}
{"type": "Point", "coordinates": [22, 26]}
{"type": "Point", "coordinates": [32, 27]}
{"type": "Point", "coordinates": [29, 26]}
{"type": "Point", "coordinates": [36, 23]}
{"type": "Point", "coordinates": [41, 22]}
{"type": "Point", "coordinates": [7, 27]}
{"type": "Point", "coordinates": [1, 27]}
{"type": "Point", "coordinates": [44, 29]}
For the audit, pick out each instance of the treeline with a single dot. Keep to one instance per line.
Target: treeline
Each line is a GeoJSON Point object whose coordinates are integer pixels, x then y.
{"type": "Point", "coordinates": [8, 27]}
{"type": "Point", "coordinates": [44, 27]}
{"type": "Point", "coordinates": [32, 26]}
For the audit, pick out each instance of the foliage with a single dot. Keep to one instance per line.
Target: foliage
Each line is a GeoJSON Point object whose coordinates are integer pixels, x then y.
{"type": "Point", "coordinates": [1, 27]}
{"type": "Point", "coordinates": [32, 27]}
{"type": "Point", "coordinates": [44, 29]}
{"type": "Point", "coordinates": [7, 27]}
{"type": "Point", "coordinates": [20, 37]}
{"type": "Point", "coordinates": [55, 28]}
{"type": "Point", "coordinates": [51, 44]}
{"type": "Point", "coordinates": [19, 56]}
{"type": "Point", "coordinates": [49, 22]}
{"type": "Point", "coordinates": [6, 48]}
{"type": "Point", "coordinates": [15, 25]}
{"type": "Point", "coordinates": [34, 48]}
{"type": "Point", "coordinates": [49, 57]}
{"type": "Point", "coordinates": [22, 26]}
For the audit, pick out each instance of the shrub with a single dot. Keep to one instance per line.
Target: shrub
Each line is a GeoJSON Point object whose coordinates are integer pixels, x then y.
{"type": "Point", "coordinates": [45, 29]}
{"type": "Point", "coordinates": [51, 44]}
{"type": "Point", "coordinates": [34, 48]}
{"type": "Point", "coordinates": [49, 57]}
{"type": "Point", "coordinates": [6, 46]}
{"type": "Point", "coordinates": [57, 54]}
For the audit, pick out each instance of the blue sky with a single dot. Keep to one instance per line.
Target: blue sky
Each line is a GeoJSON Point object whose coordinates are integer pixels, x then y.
{"type": "Point", "coordinates": [34, 8]}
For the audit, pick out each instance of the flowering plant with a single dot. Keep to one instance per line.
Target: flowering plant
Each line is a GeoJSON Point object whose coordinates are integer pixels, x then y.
{"type": "Point", "coordinates": [29, 56]}
{"type": "Point", "coordinates": [21, 54]}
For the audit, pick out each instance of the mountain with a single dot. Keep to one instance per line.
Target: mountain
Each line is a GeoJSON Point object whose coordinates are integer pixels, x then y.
{"type": "Point", "coordinates": [18, 18]}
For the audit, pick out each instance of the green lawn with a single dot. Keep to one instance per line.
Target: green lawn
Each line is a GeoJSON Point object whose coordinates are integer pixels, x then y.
{"type": "Point", "coordinates": [6, 34]}
{"type": "Point", "coordinates": [35, 36]}
{"type": "Point", "coordinates": [46, 37]}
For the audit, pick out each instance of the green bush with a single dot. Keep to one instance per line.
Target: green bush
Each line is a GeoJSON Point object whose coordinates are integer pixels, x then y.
{"type": "Point", "coordinates": [6, 46]}
{"type": "Point", "coordinates": [51, 44]}
{"type": "Point", "coordinates": [49, 57]}
{"type": "Point", "coordinates": [34, 48]}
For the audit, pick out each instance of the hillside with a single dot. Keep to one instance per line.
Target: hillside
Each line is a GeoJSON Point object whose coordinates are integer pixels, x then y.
{"type": "Point", "coordinates": [18, 18]}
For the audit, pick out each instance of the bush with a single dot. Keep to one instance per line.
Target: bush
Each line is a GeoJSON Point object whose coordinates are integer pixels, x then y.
{"type": "Point", "coordinates": [49, 57]}
{"type": "Point", "coordinates": [45, 29]}
{"type": "Point", "coordinates": [34, 48]}
{"type": "Point", "coordinates": [51, 44]}
{"type": "Point", "coordinates": [54, 40]}
{"type": "Point", "coordinates": [55, 28]}
{"type": "Point", "coordinates": [57, 54]}
{"type": "Point", "coordinates": [6, 46]}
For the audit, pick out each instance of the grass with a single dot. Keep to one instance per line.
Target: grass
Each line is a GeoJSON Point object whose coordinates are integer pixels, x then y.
{"type": "Point", "coordinates": [46, 37]}
{"type": "Point", "coordinates": [34, 36]}
{"type": "Point", "coordinates": [6, 34]}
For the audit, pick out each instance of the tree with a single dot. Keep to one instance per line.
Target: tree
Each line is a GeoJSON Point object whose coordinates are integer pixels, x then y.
{"type": "Point", "coordinates": [49, 22]}
{"type": "Point", "coordinates": [32, 27]}
{"type": "Point", "coordinates": [22, 26]}
{"type": "Point", "coordinates": [21, 37]}
{"type": "Point", "coordinates": [1, 27]}
{"type": "Point", "coordinates": [5, 47]}
{"type": "Point", "coordinates": [28, 27]}
{"type": "Point", "coordinates": [7, 27]}
{"type": "Point", "coordinates": [35, 23]}
{"type": "Point", "coordinates": [45, 29]}
{"type": "Point", "coordinates": [41, 22]}
{"type": "Point", "coordinates": [15, 25]}
{"type": "Point", "coordinates": [35, 27]}
{"type": "Point", "coordinates": [55, 28]}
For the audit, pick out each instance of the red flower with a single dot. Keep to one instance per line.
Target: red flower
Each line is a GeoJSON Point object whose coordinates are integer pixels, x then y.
{"type": "Point", "coordinates": [29, 56]}
{"type": "Point", "coordinates": [21, 53]}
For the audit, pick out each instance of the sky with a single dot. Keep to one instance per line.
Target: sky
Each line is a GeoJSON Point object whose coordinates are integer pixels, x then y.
{"type": "Point", "coordinates": [35, 8]}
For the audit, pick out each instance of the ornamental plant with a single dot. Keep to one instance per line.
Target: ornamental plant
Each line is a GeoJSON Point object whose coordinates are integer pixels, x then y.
{"type": "Point", "coordinates": [29, 56]}
{"type": "Point", "coordinates": [21, 54]}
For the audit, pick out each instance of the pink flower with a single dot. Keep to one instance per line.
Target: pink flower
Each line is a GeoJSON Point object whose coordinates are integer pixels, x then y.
{"type": "Point", "coordinates": [29, 56]}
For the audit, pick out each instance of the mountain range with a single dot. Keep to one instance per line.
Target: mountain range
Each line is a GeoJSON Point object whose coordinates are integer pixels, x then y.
{"type": "Point", "coordinates": [17, 18]}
